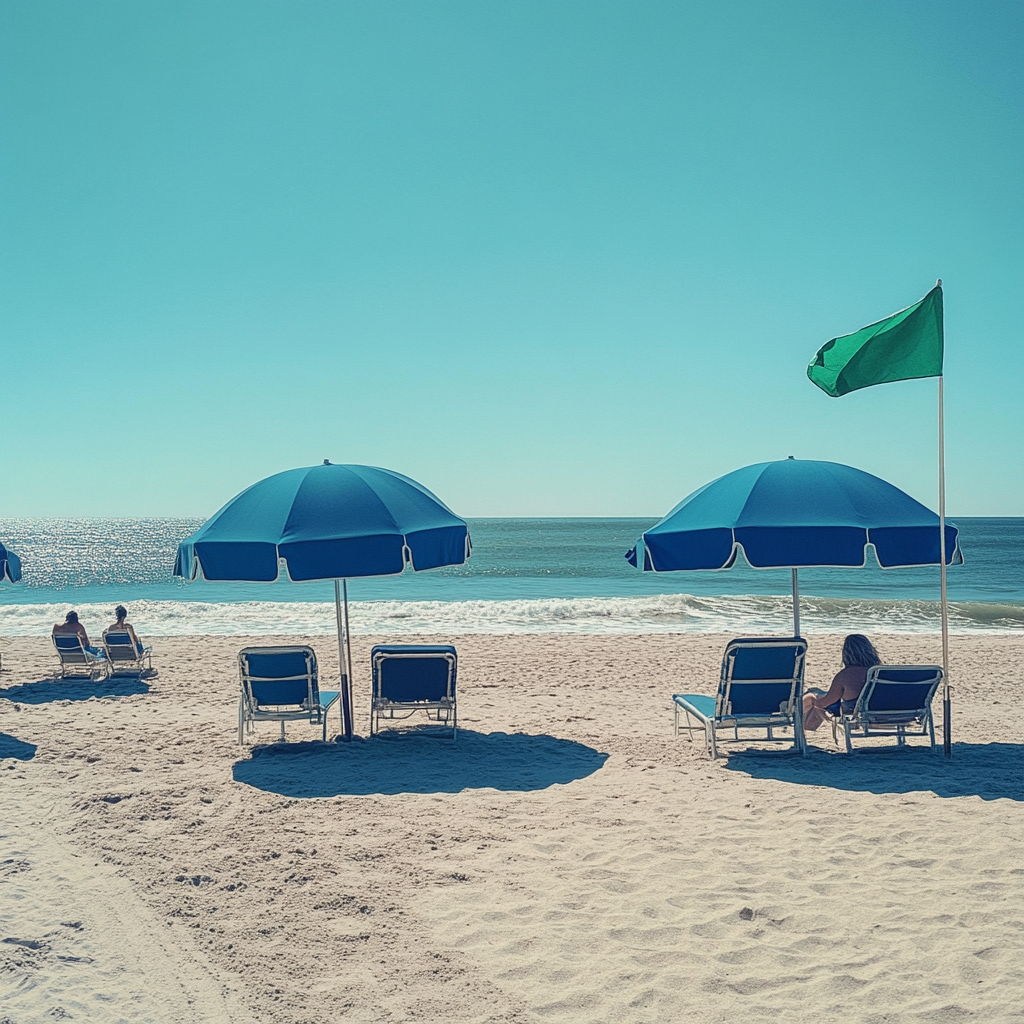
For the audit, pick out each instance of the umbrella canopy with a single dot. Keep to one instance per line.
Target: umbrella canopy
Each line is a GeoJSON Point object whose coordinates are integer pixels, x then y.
{"type": "Point", "coordinates": [326, 522]}
{"type": "Point", "coordinates": [796, 514]}
{"type": "Point", "coordinates": [10, 565]}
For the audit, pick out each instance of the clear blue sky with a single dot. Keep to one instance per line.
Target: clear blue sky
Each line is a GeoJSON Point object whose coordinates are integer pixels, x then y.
{"type": "Point", "coordinates": [547, 258]}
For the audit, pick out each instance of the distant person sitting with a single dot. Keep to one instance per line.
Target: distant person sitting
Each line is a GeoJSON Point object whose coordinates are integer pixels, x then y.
{"type": "Point", "coordinates": [71, 626]}
{"type": "Point", "coordinates": [120, 625]}
{"type": "Point", "coordinates": [858, 656]}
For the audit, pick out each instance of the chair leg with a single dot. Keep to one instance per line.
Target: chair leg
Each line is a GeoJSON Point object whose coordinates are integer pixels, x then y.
{"type": "Point", "coordinates": [849, 742]}
{"type": "Point", "coordinates": [282, 730]}
{"type": "Point", "coordinates": [241, 721]}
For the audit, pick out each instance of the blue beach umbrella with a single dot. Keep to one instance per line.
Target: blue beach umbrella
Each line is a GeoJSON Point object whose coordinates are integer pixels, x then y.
{"type": "Point", "coordinates": [10, 565]}
{"type": "Point", "coordinates": [327, 523]}
{"type": "Point", "coordinates": [795, 514]}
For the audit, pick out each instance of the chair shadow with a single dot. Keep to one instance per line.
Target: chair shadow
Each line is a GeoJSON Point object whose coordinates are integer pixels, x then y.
{"type": "Point", "coordinates": [45, 691]}
{"type": "Point", "coordinates": [992, 771]}
{"type": "Point", "coordinates": [11, 746]}
{"type": "Point", "coordinates": [418, 764]}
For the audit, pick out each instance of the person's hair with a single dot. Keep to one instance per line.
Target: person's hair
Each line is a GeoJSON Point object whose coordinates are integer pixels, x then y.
{"type": "Point", "coordinates": [71, 617]}
{"type": "Point", "coordinates": [120, 613]}
{"type": "Point", "coordinates": [858, 650]}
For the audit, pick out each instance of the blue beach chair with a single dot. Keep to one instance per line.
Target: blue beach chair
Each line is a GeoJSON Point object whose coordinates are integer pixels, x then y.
{"type": "Point", "coordinates": [895, 699]}
{"type": "Point", "coordinates": [761, 687]}
{"type": "Point", "coordinates": [76, 661]}
{"type": "Point", "coordinates": [279, 684]}
{"type": "Point", "coordinates": [413, 677]}
{"type": "Point", "coordinates": [123, 657]}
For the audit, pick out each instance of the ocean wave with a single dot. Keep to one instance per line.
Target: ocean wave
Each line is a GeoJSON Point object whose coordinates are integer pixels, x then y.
{"type": "Point", "coordinates": [659, 613]}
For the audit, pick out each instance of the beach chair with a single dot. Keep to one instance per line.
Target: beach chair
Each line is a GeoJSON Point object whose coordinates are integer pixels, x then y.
{"type": "Point", "coordinates": [896, 700]}
{"type": "Point", "coordinates": [75, 661]}
{"type": "Point", "coordinates": [408, 678]}
{"type": "Point", "coordinates": [279, 684]}
{"type": "Point", "coordinates": [761, 687]}
{"type": "Point", "coordinates": [123, 657]}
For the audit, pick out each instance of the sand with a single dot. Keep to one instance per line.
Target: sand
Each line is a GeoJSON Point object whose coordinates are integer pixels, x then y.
{"type": "Point", "coordinates": [568, 860]}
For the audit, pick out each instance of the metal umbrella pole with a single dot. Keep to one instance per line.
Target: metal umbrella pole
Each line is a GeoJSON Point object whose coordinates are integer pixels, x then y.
{"type": "Point", "coordinates": [796, 606]}
{"type": "Point", "coordinates": [344, 664]}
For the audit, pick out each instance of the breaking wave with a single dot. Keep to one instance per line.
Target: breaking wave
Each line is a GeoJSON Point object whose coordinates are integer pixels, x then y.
{"type": "Point", "coordinates": [656, 613]}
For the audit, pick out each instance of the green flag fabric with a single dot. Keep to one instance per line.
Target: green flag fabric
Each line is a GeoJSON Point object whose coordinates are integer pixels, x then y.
{"type": "Point", "coordinates": [903, 346]}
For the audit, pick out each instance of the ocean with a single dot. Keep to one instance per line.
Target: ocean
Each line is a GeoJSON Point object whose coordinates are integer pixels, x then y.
{"type": "Point", "coordinates": [525, 576]}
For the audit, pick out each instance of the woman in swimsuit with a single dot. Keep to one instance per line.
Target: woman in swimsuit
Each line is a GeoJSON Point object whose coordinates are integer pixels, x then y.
{"type": "Point", "coordinates": [120, 626]}
{"type": "Point", "coordinates": [858, 656]}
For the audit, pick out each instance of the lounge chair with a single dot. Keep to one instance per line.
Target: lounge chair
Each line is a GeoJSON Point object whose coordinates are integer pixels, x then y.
{"type": "Point", "coordinates": [413, 677]}
{"type": "Point", "coordinates": [279, 684]}
{"type": "Point", "coordinates": [75, 661]}
{"type": "Point", "coordinates": [895, 699]}
{"type": "Point", "coordinates": [761, 687]}
{"type": "Point", "coordinates": [123, 657]}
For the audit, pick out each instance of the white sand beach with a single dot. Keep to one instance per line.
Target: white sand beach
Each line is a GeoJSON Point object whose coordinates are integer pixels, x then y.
{"type": "Point", "coordinates": [567, 860]}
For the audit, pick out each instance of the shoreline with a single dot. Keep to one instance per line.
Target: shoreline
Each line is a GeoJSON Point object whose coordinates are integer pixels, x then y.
{"type": "Point", "coordinates": [567, 859]}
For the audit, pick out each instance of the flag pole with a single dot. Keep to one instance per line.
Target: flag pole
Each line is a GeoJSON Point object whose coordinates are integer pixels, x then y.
{"type": "Point", "coordinates": [947, 735]}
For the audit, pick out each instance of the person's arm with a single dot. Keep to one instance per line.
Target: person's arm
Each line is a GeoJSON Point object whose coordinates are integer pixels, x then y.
{"type": "Point", "coordinates": [82, 633]}
{"type": "Point", "coordinates": [835, 692]}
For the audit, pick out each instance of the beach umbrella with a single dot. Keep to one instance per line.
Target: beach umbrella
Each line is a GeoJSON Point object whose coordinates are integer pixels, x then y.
{"type": "Point", "coordinates": [329, 522]}
{"type": "Point", "coordinates": [795, 514]}
{"type": "Point", "coordinates": [10, 565]}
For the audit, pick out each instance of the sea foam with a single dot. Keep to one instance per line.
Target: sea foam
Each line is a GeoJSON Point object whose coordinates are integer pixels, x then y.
{"type": "Point", "coordinates": [657, 613]}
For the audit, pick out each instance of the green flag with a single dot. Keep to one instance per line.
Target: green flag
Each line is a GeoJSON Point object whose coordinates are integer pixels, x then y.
{"type": "Point", "coordinates": [903, 346]}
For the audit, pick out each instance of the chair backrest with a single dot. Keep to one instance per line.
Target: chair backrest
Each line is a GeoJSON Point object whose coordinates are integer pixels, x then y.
{"type": "Point", "coordinates": [278, 676]}
{"type": "Point", "coordinates": [406, 673]}
{"type": "Point", "coordinates": [760, 675]}
{"type": "Point", "coordinates": [119, 646]}
{"type": "Point", "coordinates": [898, 689]}
{"type": "Point", "coordinates": [70, 648]}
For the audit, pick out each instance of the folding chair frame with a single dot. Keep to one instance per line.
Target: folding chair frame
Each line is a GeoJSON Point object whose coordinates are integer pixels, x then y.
{"type": "Point", "coordinates": [858, 721]}
{"type": "Point", "coordinates": [443, 711]}
{"type": "Point", "coordinates": [72, 658]}
{"type": "Point", "coordinates": [119, 658]}
{"type": "Point", "coordinates": [250, 712]}
{"type": "Point", "coordinates": [789, 715]}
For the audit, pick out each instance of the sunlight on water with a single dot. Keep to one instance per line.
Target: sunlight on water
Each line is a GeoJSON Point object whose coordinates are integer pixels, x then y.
{"type": "Point", "coordinates": [526, 576]}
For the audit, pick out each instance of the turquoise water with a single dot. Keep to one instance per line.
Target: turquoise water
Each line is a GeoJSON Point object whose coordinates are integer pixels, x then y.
{"type": "Point", "coordinates": [525, 574]}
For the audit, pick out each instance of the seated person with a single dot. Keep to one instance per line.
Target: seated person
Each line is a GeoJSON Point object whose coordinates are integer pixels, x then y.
{"type": "Point", "coordinates": [72, 626]}
{"type": "Point", "coordinates": [858, 656]}
{"type": "Point", "coordinates": [121, 626]}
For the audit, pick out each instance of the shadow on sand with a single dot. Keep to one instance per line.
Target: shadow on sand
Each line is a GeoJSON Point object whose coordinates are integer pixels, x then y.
{"type": "Point", "coordinates": [418, 764]}
{"type": "Point", "coordinates": [45, 691]}
{"type": "Point", "coordinates": [992, 771]}
{"type": "Point", "coordinates": [10, 746]}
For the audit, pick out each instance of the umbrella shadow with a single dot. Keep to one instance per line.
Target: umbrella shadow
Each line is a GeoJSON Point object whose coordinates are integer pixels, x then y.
{"type": "Point", "coordinates": [418, 764]}
{"type": "Point", "coordinates": [992, 771]}
{"type": "Point", "coordinates": [46, 691]}
{"type": "Point", "coordinates": [11, 746]}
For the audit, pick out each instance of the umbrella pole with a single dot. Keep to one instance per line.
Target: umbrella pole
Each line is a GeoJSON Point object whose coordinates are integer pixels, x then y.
{"type": "Point", "coordinates": [796, 606]}
{"type": "Point", "coordinates": [947, 732]}
{"type": "Point", "coordinates": [343, 666]}
{"type": "Point", "coordinates": [348, 649]}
